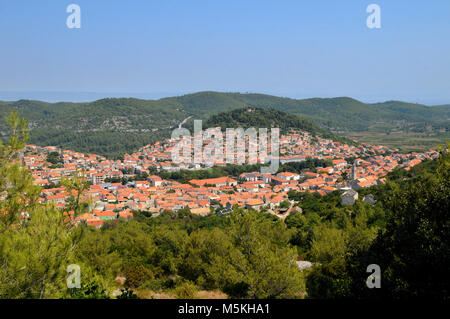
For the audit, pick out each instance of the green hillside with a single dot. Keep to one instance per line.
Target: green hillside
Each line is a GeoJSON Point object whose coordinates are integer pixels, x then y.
{"type": "Point", "coordinates": [443, 107]}
{"type": "Point", "coordinates": [340, 113]}
{"type": "Point", "coordinates": [266, 118]}
{"type": "Point", "coordinates": [113, 126]}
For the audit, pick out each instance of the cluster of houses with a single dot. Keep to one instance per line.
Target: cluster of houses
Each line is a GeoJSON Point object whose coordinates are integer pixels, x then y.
{"type": "Point", "coordinates": [117, 200]}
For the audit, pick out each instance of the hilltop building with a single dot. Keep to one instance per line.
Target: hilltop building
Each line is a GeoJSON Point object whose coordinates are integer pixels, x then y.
{"type": "Point", "coordinates": [349, 197]}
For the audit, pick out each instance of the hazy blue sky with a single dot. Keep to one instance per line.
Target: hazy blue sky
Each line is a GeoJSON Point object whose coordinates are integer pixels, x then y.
{"type": "Point", "coordinates": [290, 48]}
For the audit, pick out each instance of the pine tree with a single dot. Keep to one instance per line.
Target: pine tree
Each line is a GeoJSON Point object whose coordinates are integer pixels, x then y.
{"type": "Point", "coordinates": [36, 240]}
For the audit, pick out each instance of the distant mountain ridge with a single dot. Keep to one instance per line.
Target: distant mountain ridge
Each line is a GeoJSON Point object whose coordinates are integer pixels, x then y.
{"type": "Point", "coordinates": [117, 125]}
{"type": "Point", "coordinates": [337, 113]}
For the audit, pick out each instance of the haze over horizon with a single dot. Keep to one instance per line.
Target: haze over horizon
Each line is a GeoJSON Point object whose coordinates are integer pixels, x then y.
{"type": "Point", "coordinates": [154, 49]}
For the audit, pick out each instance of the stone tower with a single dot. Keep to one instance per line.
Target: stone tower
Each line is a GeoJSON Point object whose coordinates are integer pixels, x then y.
{"type": "Point", "coordinates": [354, 174]}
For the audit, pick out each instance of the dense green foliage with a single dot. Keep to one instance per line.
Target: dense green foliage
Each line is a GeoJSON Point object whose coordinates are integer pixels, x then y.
{"type": "Point", "coordinates": [54, 158]}
{"type": "Point", "coordinates": [323, 215]}
{"type": "Point", "coordinates": [256, 117]}
{"type": "Point", "coordinates": [183, 176]}
{"type": "Point", "coordinates": [112, 144]}
{"type": "Point", "coordinates": [310, 163]}
{"type": "Point", "coordinates": [245, 247]}
{"type": "Point", "coordinates": [36, 241]}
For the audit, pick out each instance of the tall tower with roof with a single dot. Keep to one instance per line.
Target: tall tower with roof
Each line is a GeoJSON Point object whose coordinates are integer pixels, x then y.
{"type": "Point", "coordinates": [354, 174]}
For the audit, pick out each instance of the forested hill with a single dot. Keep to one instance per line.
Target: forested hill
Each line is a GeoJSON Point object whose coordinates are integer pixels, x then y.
{"type": "Point", "coordinates": [113, 126]}
{"type": "Point", "coordinates": [265, 118]}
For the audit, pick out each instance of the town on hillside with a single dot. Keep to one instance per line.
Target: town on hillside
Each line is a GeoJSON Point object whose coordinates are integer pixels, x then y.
{"type": "Point", "coordinates": [116, 193]}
